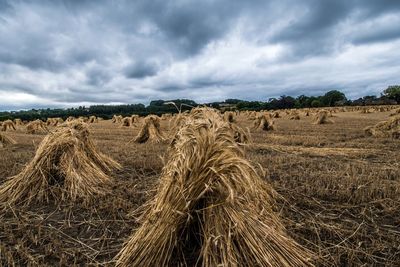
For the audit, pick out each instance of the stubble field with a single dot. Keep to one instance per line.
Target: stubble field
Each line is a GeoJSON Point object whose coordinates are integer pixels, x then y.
{"type": "Point", "coordinates": [339, 193]}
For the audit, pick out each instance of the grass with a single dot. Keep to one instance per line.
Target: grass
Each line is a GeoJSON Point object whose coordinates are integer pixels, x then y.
{"type": "Point", "coordinates": [339, 193]}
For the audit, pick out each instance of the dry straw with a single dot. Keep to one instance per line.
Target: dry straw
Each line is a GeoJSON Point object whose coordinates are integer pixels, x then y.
{"type": "Point", "coordinates": [150, 131]}
{"type": "Point", "coordinates": [93, 119]}
{"type": "Point", "coordinates": [229, 116]}
{"type": "Point", "coordinates": [264, 122]}
{"type": "Point", "coordinates": [166, 116]}
{"type": "Point", "coordinates": [390, 128]}
{"type": "Point", "coordinates": [18, 122]}
{"type": "Point", "coordinates": [322, 117]}
{"type": "Point", "coordinates": [35, 126]}
{"type": "Point", "coordinates": [117, 119]}
{"type": "Point", "coordinates": [6, 140]}
{"type": "Point", "coordinates": [276, 115]}
{"type": "Point", "coordinates": [395, 112]}
{"type": "Point", "coordinates": [211, 207]}
{"type": "Point", "coordinates": [126, 122]}
{"type": "Point", "coordinates": [135, 118]}
{"type": "Point", "coordinates": [294, 115]}
{"type": "Point", "coordinates": [8, 125]}
{"type": "Point", "coordinates": [70, 119]}
{"type": "Point", "coordinates": [66, 165]}
{"type": "Point", "coordinates": [177, 121]}
{"type": "Point", "coordinates": [54, 121]}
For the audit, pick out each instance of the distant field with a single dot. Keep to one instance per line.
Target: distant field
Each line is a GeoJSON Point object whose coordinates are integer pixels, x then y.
{"type": "Point", "coordinates": [340, 193]}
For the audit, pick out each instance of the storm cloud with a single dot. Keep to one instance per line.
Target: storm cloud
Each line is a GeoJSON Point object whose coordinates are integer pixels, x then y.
{"type": "Point", "coordinates": [69, 53]}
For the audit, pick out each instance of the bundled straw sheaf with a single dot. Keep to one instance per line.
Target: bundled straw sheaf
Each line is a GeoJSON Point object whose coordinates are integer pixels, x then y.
{"type": "Point", "coordinates": [211, 207]}
{"type": "Point", "coordinates": [294, 115]}
{"type": "Point", "coordinates": [150, 131]}
{"type": "Point", "coordinates": [18, 122]}
{"type": "Point", "coordinates": [6, 140]}
{"type": "Point", "coordinates": [7, 125]}
{"type": "Point", "coordinates": [35, 126]}
{"type": "Point", "coordinates": [117, 119]}
{"type": "Point", "coordinates": [322, 117]}
{"type": "Point", "coordinates": [126, 122]}
{"type": "Point", "coordinates": [390, 128]}
{"type": "Point", "coordinates": [395, 112]}
{"type": "Point", "coordinates": [93, 119]}
{"type": "Point", "coordinates": [264, 122]}
{"type": "Point", "coordinates": [66, 165]}
{"type": "Point", "coordinates": [229, 116]}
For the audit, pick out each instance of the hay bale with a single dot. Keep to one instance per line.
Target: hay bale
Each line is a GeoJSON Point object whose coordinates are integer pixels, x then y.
{"type": "Point", "coordinates": [177, 121]}
{"type": "Point", "coordinates": [18, 122]}
{"type": "Point", "coordinates": [70, 119]}
{"type": "Point", "coordinates": [229, 116]}
{"type": "Point", "coordinates": [93, 119]}
{"type": "Point", "coordinates": [239, 135]}
{"type": "Point", "coordinates": [126, 122]}
{"type": "Point", "coordinates": [276, 115]}
{"type": "Point", "coordinates": [34, 126]}
{"type": "Point", "coordinates": [395, 112]}
{"type": "Point", "coordinates": [211, 207]}
{"type": "Point", "coordinates": [263, 122]}
{"type": "Point", "coordinates": [54, 121]}
{"type": "Point", "coordinates": [117, 119]}
{"type": "Point", "coordinates": [150, 130]}
{"type": "Point", "coordinates": [6, 140]}
{"type": "Point", "coordinates": [322, 117]}
{"type": "Point", "coordinates": [166, 116]}
{"type": "Point", "coordinates": [51, 122]}
{"type": "Point", "coordinates": [390, 128]}
{"type": "Point", "coordinates": [66, 165]}
{"type": "Point", "coordinates": [294, 115]}
{"type": "Point", "coordinates": [365, 110]}
{"type": "Point", "coordinates": [135, 118]}
{"type": "Point", "coordinates": [8, 125]}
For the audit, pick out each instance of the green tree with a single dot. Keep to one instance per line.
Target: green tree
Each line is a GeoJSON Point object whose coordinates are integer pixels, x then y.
{"type": "Point", "coordinates": [316, 103]}
{"type": "Point", "coordinates": [331, 97]}
{"type": "Point", "coordinates": [393, 92]}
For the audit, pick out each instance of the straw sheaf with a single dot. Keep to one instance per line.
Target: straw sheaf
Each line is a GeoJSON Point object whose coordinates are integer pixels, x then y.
{"type": "Point", "coordinates": [6, 140]}
{"type": "Point", "coordinates": [211, 208]}
{"type": "Point", "coordinates": [390, 128]}
{"type": "Point", "coordinates": [66, 165]}
{"type": "Point", "coordinates": [322, 117]}
{"type": "Point", "coordinates": [35, 126]}
{"type": "Point", "coordinates": [150, 131]}
{"type": "Point", "coordinates": [7, 125]}
{"type": "Point", "coordinates": [264, 122]}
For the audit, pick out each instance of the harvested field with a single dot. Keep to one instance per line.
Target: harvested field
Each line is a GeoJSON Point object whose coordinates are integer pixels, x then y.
{"type": "Point", "coordinates": [338, 192]}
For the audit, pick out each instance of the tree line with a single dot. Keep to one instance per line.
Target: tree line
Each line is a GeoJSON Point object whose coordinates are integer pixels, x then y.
{"type": "Point", "coordinates": [389, 96]}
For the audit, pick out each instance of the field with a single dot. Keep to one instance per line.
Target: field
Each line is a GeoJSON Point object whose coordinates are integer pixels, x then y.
{"type": "Point", "coordinates": [339, 193]}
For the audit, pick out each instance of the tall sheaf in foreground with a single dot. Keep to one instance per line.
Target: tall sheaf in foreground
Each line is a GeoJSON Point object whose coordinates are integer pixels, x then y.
{"type": "Point", "coordinates": [66, 165]}
{"type": "Point", "coordinates": [211, 207]}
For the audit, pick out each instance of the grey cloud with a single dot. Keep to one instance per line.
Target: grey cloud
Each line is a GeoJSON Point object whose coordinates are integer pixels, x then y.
{"type": "Point", "coordinates": [388, 33]}
{"type": "Point", "coordinates": [141, 69]}
{"type": "Point", "coordinates": [69, 52]}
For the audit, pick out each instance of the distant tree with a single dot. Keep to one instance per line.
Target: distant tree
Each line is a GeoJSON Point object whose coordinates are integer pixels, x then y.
{"type": "Point", "coordinates": [302, 101]}
{"type": "Point", "coordinates": [316, 103]}
{"type": "Point", "coordinates": [284, 102]}
{"type": "Point", "coordinates": [214, 104]}
{"type": "Point", "coordinates": [251, 105]}
{"type": "Point", "coordinates": [157, 103]}
{"type": "Point", "coordinates": [331, 97]}
{"type": "Point", "coordinates": [232, 101]}
{"type": "Point", "coordinates": [393, 92]}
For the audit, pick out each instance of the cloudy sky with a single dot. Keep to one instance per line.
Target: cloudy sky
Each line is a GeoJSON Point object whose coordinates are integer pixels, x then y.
{"type": "Point", "coordinates": [70, 53]}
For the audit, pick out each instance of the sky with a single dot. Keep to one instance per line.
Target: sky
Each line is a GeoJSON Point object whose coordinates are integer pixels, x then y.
{"type": "Point", "coordinates": [79, 52]}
